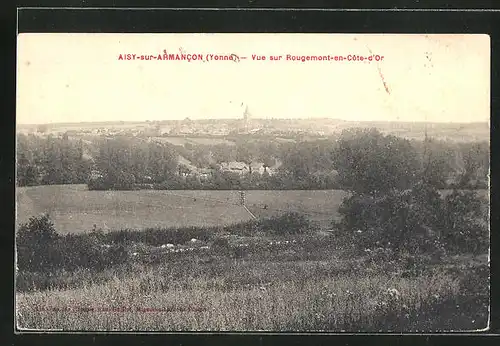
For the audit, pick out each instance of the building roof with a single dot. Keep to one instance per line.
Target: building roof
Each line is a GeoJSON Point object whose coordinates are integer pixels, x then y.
{"type": "Point", "coordinates": [234, 165]}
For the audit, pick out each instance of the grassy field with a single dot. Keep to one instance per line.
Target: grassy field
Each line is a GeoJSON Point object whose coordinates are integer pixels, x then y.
{"type": "Point", "coordinates": [203, 303]}
{"type": "Point", "coordinates": [304, 285]}
{"type": "Point", "coordinates": [74, 209]}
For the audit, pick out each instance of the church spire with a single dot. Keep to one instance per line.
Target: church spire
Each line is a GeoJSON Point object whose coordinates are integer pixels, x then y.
{"type": "Point", "coordinates": [246, 117]}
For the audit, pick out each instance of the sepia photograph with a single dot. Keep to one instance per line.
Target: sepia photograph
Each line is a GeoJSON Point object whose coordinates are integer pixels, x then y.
{"type": "Point", "coordinates": [253, 182]}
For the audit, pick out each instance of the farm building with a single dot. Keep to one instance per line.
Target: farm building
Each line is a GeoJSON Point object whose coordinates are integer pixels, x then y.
{"type": "Point", "coordinates": [234, 166]}
{"type": "Point", "coordinates": [242, 168]}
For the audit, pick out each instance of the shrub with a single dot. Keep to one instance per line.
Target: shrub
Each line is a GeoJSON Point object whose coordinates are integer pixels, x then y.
{"type": "Point", "coordinates": [99, 184]}
{"type": "Point", "coordinates": [221, 246]}
{"type": "Point", "coordinates": [118, 181]}
{"type": "Point", "coordinates": [41, 249]}
{"type": "Point", "coordinates": [221, 243]}
{"type": "Point", "coordinates": [117, 255]}
{"type": "Point", "coordinates": [415, 221]}
{"type": "Point", "coordinates": [465, 225]}
{"type": "Point", "coordinates": [248, 228]}
{"type": "Point", "coordinates": [370, 162]}
{"type": "Point", "coordinates": [82, 251]}
{"type": "Point", "coordinates": [286, 224]}
{"type": "Point", "coordinates": [36, 242]}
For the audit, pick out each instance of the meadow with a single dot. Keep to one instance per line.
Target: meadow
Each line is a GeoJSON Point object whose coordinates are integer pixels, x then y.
{"type": "Point", "coordinates": [75, 209]}
{"type": "Point", "coordinates": [299, 284]}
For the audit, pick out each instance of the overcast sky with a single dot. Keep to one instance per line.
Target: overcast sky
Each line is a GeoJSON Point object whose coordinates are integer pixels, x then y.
{"type": "Point", "coordinates": [78, 78]}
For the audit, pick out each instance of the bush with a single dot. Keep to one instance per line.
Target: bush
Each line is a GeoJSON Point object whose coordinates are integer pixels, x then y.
{"type": "Point", "coordinates": [174, 183]}
{"type": "Point", "coordinates": [118, 181]}
{"type": "Point", "coordinates": [221, 246]}
{"type": "Point", "coordinates": [83, 251]}
{"type": "Point", "coordinates": [117, 255]}
{"type": "Point", "coordinates": [465, 223]}
{"type": "Point", "coordinates": [36, 243]}
{"type": "Point", "coordinates": [415, 221]}
{"type": "Point", "coordinates": [41, 249]}
{"type": "Point", "coordinates": [370, 162]}
{"type": "Point", "coordinates": [249, 228]}
{"type": "Point", "coordinates": [99, 184]}
{"type": "Point", "coordinates": [286, 224]}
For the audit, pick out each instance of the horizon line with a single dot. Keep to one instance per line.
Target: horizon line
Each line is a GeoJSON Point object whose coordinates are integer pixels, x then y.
{"type": "Point", "coordinates": [222, 119]}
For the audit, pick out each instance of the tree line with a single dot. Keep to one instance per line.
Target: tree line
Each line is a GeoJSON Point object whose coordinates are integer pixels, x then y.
{"type": "Point", "coordinates": [358, 159]}
{"type": "Point", "coordinates": [50, 160]}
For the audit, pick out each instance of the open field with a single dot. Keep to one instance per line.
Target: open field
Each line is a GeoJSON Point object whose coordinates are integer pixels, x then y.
{"type": "Point", "coordinates": [74, 209]}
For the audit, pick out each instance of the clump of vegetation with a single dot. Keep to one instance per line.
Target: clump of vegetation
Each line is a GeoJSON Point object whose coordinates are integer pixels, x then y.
{"type": "Point", "coordinates": [41, 249]}
{"type": "Point", "coordinates": [395, 204]}
{"type": "Point", "coordinates": [416, 221]}
{"type": "Point", "coordinates": [36, 243]}
{"type": "Point", "coordinates": [465, 228]}
{"type": "Point", "coordinates": [50, 160]}
{"type": "Point", "coordinates": [247, 228]}
{"type": "Point", "coordinates": [369, 162]}
{"type": "Point", "coordinates": [286, 224]}
{"type": "Point", "coordinates": [113, 181]}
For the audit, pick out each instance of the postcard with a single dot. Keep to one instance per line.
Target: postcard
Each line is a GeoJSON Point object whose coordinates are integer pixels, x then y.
{"type": "Point", "coordinates": [252, 182]}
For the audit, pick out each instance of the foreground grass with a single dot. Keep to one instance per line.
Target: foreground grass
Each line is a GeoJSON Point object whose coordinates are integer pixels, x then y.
{"type": "Point", "coordinates": [249, 277]}
{"type": "Point", "coordinates": [251, 295]}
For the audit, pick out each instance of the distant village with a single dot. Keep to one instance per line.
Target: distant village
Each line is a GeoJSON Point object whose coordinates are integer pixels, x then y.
{"type": "Point", "coordinates": [243, 124]}
{"type": "Point", "coordinates": [247, 124]}
{"type": "Point", "coordinates": [195, 142]}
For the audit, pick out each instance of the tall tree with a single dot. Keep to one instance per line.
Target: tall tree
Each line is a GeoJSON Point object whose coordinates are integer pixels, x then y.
{"type": "Point", "coordinates": [369, 162]}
